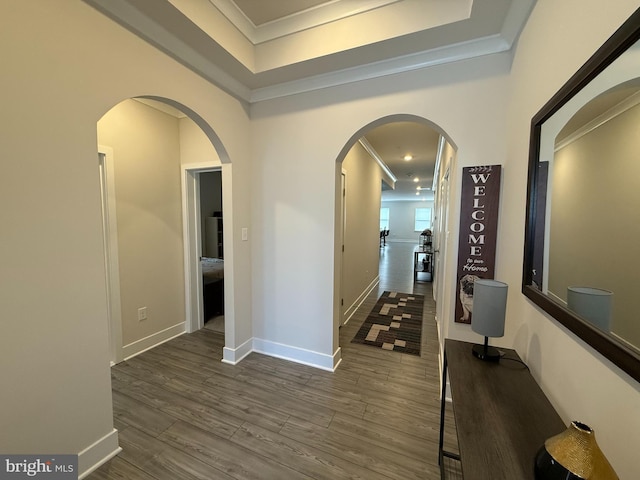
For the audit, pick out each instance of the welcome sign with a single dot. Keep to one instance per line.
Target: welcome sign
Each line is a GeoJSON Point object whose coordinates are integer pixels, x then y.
{"type": "Point", "coordinates": [478, 233]}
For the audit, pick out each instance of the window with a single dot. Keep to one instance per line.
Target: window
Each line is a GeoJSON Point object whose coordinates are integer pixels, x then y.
{"type": "Point", "coordinates": [384, 218]}
{"type": "Point", "coordinates": [423, 219]}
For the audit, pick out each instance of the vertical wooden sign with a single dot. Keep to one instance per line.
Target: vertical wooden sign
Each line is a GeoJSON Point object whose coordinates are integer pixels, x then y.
{"type": "Point", "coordinates": [478, 233]}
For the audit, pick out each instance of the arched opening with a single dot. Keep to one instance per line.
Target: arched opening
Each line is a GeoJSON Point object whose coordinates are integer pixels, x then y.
{"type": "Point", "coordinates": [152, 152]}
{"type": "Point", "coordinates": [391, 186]}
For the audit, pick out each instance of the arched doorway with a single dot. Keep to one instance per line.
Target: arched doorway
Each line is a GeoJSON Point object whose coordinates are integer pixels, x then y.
{"type": "Point", "coordinates": [423, 176]}
{"type": "Point", "coordinates": [148, 145]}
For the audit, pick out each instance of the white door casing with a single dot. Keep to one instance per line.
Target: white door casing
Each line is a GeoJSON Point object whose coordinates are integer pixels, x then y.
{"type": "Point", "coordinates": [112, 268]}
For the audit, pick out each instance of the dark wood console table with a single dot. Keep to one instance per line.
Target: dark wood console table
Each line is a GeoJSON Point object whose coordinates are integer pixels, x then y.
{"type": "Point", "coordinates": [502, 416]}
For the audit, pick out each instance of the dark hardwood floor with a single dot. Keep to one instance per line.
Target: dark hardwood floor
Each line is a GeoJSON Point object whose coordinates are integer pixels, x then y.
{"type": "Point", "coordinates": [182, 414]}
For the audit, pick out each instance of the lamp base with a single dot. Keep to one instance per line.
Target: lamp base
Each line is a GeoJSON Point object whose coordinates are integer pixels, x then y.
{"type": "Point", "coordinates": [486, 353]}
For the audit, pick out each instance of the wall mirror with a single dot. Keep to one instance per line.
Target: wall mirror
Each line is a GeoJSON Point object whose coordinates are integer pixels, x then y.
{"type": "Point", "coordinates": [583, 198]}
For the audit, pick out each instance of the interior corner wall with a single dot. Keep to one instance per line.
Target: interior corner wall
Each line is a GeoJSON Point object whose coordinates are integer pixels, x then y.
{"type": "Point", "coordinates": [146, 150]}
{"type": "Point", "coordinates": [362, 228]}
{"type": "Point", "coordinates": [65, 65]}
{"type": "Point", "coordinates": [402, 217]}
{"type": "Point", "coordinates": [580, 383]}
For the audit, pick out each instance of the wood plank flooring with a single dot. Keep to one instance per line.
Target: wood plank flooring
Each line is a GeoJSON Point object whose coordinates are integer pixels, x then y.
{"type": "Point", "coordinates": [182, 414]}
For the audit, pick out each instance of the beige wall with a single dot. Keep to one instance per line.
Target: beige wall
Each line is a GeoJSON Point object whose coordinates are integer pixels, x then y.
{"type": "Point", "coordinates": [146, 150]}
{"type": "Point", "coordinates": [588, 232]}
{"type": "Point", "coordinates": [362, 230]}
{"type": "Point", "coordinates": [195, 147]}
{"type": "Point", "coordinates": [579, 382]}
{"type": "Point", "coordinates": [65, 66]}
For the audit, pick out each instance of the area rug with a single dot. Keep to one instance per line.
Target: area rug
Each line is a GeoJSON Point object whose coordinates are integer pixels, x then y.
{"type": "Point", "coordinates": [395, 323]}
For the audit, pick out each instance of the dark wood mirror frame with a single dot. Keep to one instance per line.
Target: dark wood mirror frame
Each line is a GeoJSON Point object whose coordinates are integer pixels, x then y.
{"type": "Point", "coordinates": [616, 351]}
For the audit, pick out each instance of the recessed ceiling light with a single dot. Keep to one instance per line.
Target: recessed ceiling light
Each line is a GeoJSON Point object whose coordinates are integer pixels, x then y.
{"type": "Point", "coordinates": [417, 193]}
{"type": "Point", "coordinates": [418, 187]}
{"type": "Point", "coordinates": [408, 157]}
{"type": "Point", "coordinates": [416, 179]}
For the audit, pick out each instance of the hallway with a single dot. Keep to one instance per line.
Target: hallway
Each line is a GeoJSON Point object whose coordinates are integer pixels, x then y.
{"type": "Point", "coordinates": [182, 414]}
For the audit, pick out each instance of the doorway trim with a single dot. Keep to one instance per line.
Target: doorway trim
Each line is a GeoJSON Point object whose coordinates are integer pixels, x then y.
{"type": "Point", "coordinates": [192, 240]}
{"type": "Point", "coordinates": [111, 257]}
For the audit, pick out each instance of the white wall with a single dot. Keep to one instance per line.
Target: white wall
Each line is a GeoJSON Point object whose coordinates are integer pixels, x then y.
{"type": "Point", "coordinates": [66, 65]}
{"type": "Point", "coordinates": [303, 136]}
{"type": "Point", "coordinates": [580, 383]}
{"type": "Point", "coordinates": [402, 217]}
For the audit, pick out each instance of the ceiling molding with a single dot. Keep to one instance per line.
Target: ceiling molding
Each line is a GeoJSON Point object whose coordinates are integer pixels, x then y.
{"type": "Point", "coordinates": [164, 26]}
{"type": "Point", "coordinates": [627, 104]}
{"type": "Point", "coordinates": [297, 22]}
{"type": "Point", "coordinates": [407, 63]}
{"type": "Point", "coordinates": [372, 152]}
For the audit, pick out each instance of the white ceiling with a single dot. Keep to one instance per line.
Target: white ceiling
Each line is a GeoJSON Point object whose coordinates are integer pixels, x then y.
{"type": "Point", "coordinates": [395, 140]}
{"type": "Point", "coordinates": [258, 50]}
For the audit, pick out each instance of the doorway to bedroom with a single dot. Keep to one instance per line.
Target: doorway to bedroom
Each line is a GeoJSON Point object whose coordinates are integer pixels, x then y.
{"type": "Point", "coordinates": [212, 257]}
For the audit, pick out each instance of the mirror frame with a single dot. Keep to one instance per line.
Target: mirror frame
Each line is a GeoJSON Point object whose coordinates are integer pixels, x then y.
{"type": "Point", "coordinates": [610, 347]}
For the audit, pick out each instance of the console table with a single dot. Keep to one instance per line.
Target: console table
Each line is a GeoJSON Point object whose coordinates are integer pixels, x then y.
{"type": "Point", "coordinates": [502, 416]}
{"type": "Point", "coordinates": [423, 261]}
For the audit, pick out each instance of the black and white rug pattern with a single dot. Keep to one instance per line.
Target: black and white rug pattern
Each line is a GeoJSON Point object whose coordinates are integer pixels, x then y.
{"type": "Point", "coordinates": [395, 323]}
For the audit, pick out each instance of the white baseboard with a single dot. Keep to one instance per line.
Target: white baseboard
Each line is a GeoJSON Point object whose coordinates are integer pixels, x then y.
{"type": "Point", "coordinates": [233, 356]}
{"type": "Point", "coordinates": [348, 313]}
{"type": "Point", "coordinates": [337, 359]}
{"type": "Point", "coordinates": [298, 355]}
{"type": "Point", "coordinates": [98, 453]}
{"type": "Point", "coordinates": [147, 343]}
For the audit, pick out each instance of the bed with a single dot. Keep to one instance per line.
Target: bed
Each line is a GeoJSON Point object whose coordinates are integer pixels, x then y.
{"type": "Point", "coordinates": [213, 286]}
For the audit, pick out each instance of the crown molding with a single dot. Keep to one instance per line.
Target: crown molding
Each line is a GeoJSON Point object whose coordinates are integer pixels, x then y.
{"type": "Point", "coordinates": [373, 154]}
{"type": "Point", "coordinates": [627, 104]}
{"type": "Point", "coordinates": [165, 27]}
{"type": "Point", "coordinates": [407, 63]}
{"type": "Point", "coordinates": [297, 22]}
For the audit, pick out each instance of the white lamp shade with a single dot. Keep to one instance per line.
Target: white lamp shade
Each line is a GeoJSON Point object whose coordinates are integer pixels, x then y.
{"type": "Point", "coordinates": [489, 307]}
{"type": "Point", "coordinates": [593, 304]}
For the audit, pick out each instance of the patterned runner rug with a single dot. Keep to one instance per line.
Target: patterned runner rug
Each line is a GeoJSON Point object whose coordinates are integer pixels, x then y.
{"type": "Point", "coordinates": [395, 323]}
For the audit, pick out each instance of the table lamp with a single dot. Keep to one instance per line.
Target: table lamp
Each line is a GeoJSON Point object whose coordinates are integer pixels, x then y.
{"type": "Point", "coordinates": [489, 310]}
{"type": "Point", "coordinates": [593, 304]}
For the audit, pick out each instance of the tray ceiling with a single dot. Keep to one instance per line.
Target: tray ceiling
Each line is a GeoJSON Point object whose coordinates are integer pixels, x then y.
{"type": "Point", "coordinates": [258, 50]}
